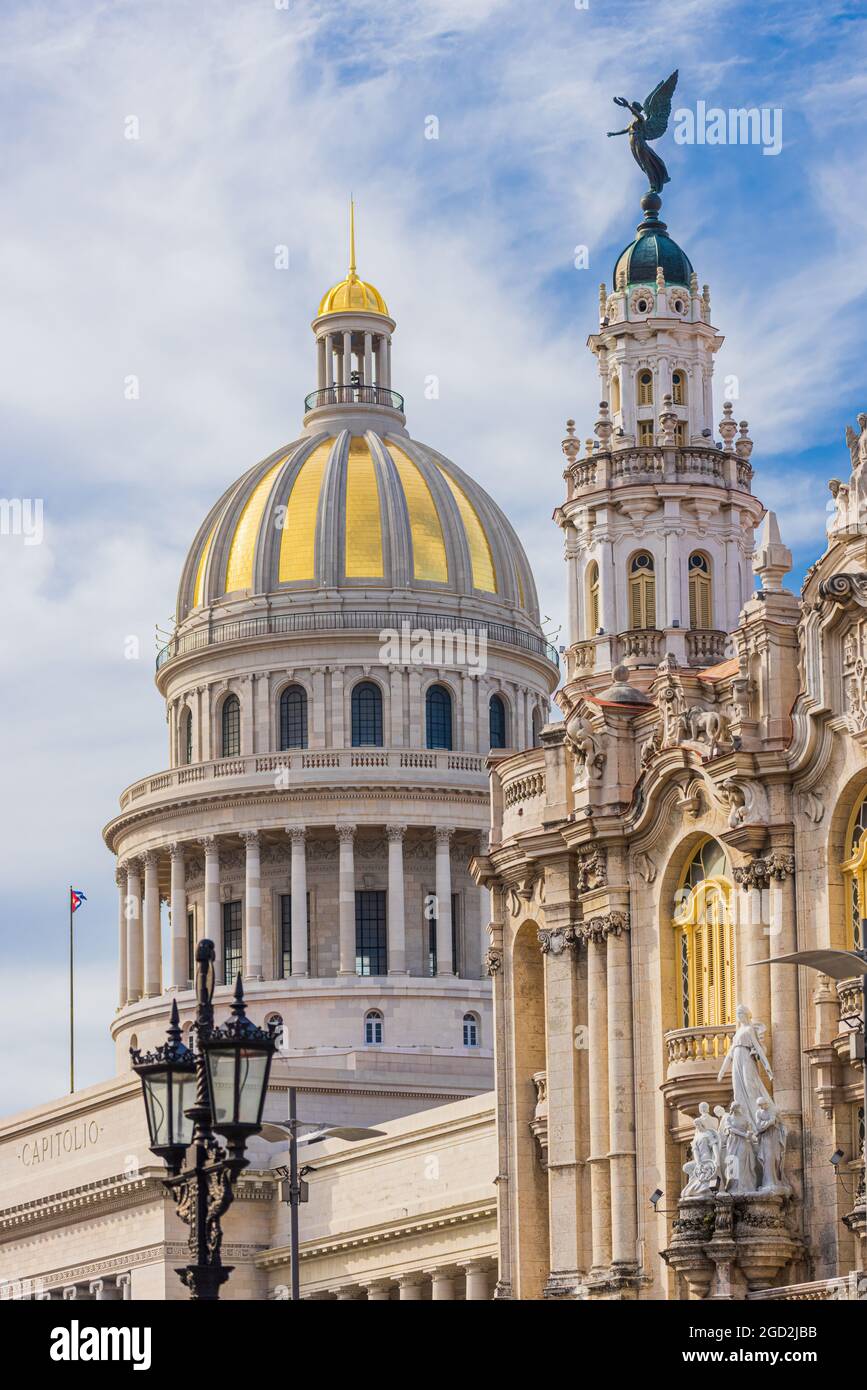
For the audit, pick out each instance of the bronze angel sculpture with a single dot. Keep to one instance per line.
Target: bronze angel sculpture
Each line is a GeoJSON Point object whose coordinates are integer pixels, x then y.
{"type": "Point", "coordinates": [651, 121]}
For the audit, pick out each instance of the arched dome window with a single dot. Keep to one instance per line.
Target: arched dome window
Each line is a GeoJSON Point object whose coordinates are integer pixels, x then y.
{"type": "Point", "coordinates": [855, 872]}
{"type": "Point", "coordinates": [645, 388]}
{"type": "Point", "coordinates": [497, 722]}
{"type": "Point", "coordinates": [231, 727]}
{"type": "Point", "coordinates": [438, 717]}
{"type": "Point", "coordinates": [678, 387]}
{"type": "Point", "coordinates": [703, 923]}
{"type": "Point", "coordinates": [471, 1030]}
{"type": "Point", "coordinates": [293, 717]}
{"type": "Point", "coordinates": [700, 590]}
{"type": "Point", "coordinates": [642, 590]}
{"type": "Point", "coordinates": [366, 715]}
{"type": "Point", "coordinates": [593, 610]}
{"type": "Point", "coordinates": [187, 736]}
{"type": "Point", "coordinates": [373, 1027]}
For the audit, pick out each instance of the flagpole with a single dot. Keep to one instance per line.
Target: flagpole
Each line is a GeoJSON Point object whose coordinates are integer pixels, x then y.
{"type": "Point", "coordinates": [71, 1004]}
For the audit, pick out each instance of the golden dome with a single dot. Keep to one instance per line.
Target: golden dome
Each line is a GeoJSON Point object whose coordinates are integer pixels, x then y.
{"type": "Point", "coordinates": [352, 295]}
{"type": "Point", "coordinates": [345, 511]}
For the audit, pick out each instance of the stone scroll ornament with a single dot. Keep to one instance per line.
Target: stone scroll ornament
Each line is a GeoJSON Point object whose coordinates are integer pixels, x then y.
{"type": "Point", "coordinates": [741, 1150]}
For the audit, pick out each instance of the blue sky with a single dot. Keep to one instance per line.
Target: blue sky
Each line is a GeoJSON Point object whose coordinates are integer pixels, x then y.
{"type": "Point", "coordinates": [155, 257]}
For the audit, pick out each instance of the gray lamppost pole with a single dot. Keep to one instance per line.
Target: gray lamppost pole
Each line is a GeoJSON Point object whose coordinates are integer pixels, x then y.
{"type": "Point", "coordinates": [188, 1095]}
{"type": "Point", "coordinates": [294, 1188]}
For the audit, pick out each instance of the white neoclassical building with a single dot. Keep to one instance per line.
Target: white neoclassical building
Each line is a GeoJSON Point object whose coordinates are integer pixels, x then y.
{"type": "Point", "coordinates": [357, 627]}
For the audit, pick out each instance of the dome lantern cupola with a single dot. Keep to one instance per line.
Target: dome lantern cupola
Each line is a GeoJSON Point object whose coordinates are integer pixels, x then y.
{"type": "Point", "coordinates": [353, 331]}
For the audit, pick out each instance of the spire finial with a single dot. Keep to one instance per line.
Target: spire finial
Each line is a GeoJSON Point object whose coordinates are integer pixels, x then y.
{"type": "Point", "coordinates": [352, 270]}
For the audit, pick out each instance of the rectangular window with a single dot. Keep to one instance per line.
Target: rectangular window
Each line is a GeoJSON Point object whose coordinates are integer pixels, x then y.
{"type": "Point", "coordinates": [191, 945]}
{"type": "Point", "coordinates": [286, 935]}
{"type": "Point", "coordinates": [645, 433]}
{"type": "Point", "coordinates": [456, 937]}
{"type": "Point", "coordinates": [231, 941]}
{"type": "Point", "coordinates": [371, 949]}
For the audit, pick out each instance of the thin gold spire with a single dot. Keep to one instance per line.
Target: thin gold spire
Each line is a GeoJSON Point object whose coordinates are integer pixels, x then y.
{"type": "Point", "coordinates": [352, 271]}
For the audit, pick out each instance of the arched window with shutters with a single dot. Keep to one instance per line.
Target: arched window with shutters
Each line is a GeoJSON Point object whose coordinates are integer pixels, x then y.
{"type": "Point", "coordinates": [593, 608]}
{"type": "Point", "coordinates": [230, 717]}
{"type": "Point", "coordinates": [366, 715]}
{"type": "Point", "coordinates": [855, 873]}
{"type": "Point", "coordinates": [645, 388]}
{"type": "Point", "coordinates": [678, 388]}
{"type": "Point", "coordinates": [703, 923]}
{"type": "Point", "coordinates": [642, 590]}
{"type": "Point", "coordinates": [293, 717]}
{"type": "Point", "coordinates": [438, 717]}
{"type": "Point", "coordinates": [497, 722]}
{"type": "Point", "coordinates": [680, 433]}
{"type": "Point", "coordinates": [187, 736]}
{"type": "Point", "coordinates": [700, 591]}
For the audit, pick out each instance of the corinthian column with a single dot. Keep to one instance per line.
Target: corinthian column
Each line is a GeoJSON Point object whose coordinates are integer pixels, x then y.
{"type": "Point", "coordinates": [180, 965]}
{"type": "Point", "coordinates": [346, 889]}
{"type": "Point", "coordinates": [152, 952]}
{"type": "Point", "coordinates": [134, 943]}
{"type": "Point", "coordinates": [621, 1093]}
{"type": "Point", "coordinates": [445, 964]}
{"type": "Point", "coordinates": [213, 919]}
{"type": "Point", "coordinates": [120, 880]}
{"type": "Point", "coordinates": [597, 1065]}
{"type": "Point", "coordinates": [300, 963]}
{"type": "Point", "coordinates": [396, 911]}
{"type": "Point", "coordinates": [253, 906]}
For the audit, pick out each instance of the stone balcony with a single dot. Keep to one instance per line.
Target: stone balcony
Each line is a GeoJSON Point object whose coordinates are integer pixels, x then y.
{"type": "Point", "coordinates": [694, 1057]}
{"type": "Point", "coordinates": [646, 647]}
{"type": "Point", "coordinates": [298, 767]}
{"type": "Point", "coordinates": [614, 468]}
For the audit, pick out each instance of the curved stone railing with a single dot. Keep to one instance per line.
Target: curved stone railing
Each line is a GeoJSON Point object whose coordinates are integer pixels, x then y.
{"type": "Point", "coordinates": [705, 644]}
{"type": "Point", "coordinates": [698, 1044]}
{"type": "Point", "coordinates": [260, 768]}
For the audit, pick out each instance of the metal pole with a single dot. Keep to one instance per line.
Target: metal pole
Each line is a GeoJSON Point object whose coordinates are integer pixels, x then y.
{"type": "Point", "coordinates": [71, 1004]}
{"type": "Point", "coordinates": [294, 1197]}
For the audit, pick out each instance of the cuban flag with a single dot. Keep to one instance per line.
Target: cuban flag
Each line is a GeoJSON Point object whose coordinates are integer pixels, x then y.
{"type": "Point", "coordinates": [76, 898]}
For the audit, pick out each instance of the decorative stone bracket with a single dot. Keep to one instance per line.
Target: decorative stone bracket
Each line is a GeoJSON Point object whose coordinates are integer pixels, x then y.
{"type": "Point", "coordinates": [725, 1246]}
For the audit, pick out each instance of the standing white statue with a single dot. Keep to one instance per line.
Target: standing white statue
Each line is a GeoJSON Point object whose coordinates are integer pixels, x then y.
{"type": "Point", "coordinates": [703, 1169]}
{"type": "Point", "coordinates": [742, 1060]}
{"type": "Point", "coordinates": [740, 1174]}
{"type": "Point", "coordinates": [772, 1134]}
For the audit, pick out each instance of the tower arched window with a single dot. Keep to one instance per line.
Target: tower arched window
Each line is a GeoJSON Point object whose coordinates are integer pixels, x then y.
{"type": "Point", "coordinates": [700, 591]}
{"type": "Point", "coordinates": [231, 727]}
{"type": "Point", "coordinates": [497, 722]}
{"type": "Point", "coordinates": [593, 610]}
{"type": "Point", "coordinates": [536, 725]}
{"type": "Point", "coordinates": [645, 388]}
{"type": "Point", "coordinates": [187, 736]}
{"type": "Point", "coordinates": [366, 715]}
{"type": "Point", "coordinates": [438, 717]}
{"type": "Point", "coordinates": [471, 1030]}
{"type": "Point", "coordinates": [373, 1026]}
{"type": "Point", "coordinates": [678, 388]}
{"type": "Point", "coordinates": [293, 717]}
{"type": "Point", "coordinates": [855, 872]}
{"type": "Point", "coordinates": [703, 922]}
{"type": "Point", "coordinates": [642, 590]}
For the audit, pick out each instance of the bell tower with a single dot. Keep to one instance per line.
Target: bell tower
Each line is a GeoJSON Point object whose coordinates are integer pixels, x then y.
{"type": "Point", "coordinates": [659, 514]}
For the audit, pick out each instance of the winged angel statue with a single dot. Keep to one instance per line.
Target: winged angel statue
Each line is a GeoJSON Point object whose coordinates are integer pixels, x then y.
{"type": "Point", "coordinates": [651, 121]}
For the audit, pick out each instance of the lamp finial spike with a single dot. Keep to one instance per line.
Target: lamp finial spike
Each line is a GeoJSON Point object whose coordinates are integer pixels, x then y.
{"type": "Point", "coordinates": [352, 270]}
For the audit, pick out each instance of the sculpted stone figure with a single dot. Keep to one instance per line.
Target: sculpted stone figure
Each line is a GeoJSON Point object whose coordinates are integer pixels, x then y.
{"type": "Point", "coordinates": [740, 1173]}
{"type": "Point", "coordinates": [771, 1134]}
{"type": "Point", "coordinates": [703, 1169]}
{"type": "Point", "coordinates": [708, 726]}
{"type": "Point", "coordinates": [742, 1060]}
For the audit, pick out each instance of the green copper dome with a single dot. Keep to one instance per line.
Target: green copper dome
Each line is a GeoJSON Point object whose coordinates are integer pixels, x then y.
{"type": "Point", "coordinates": [649, 250]}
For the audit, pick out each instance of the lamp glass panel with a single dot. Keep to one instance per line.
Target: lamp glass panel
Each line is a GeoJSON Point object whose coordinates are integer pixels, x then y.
{"type": "Point", "coordinates": [252, 1075]}
{"type": "Point", "coordinates": [184, 1096]}
{"type": "Point", "coordinates": [221, 1069]}
{"type": "Point", "coordinates": [156, 1094]}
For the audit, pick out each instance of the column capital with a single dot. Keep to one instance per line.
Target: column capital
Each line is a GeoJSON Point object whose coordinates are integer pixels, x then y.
{"type": "Point", "coordinates": [395, 833]}
{"type": "Point", "coordinates": [555, 940]}
{"type": "Point", "coordinates": [609, 924]}
{"type": "Point", "coordinates": [760, 871]}
{"type": "Point", "coordinates": [346, 833]}
{"type": "Point", "coordinates": [444, 833]}
{"type": "Point", "coordinates": [120, 872]}
{"type": "Point", "coordinates": [208, 843]}
{"type": "Point", "coordinates": [250, 838]}
{"type": "Point", "coordinates": [150, 859]}
{"type": "Point", "coordinates": [177, 851]}
{"type": "Point", "coordinates": [493, 961]}
{"type": "Point", "coordinates": [297, 833]}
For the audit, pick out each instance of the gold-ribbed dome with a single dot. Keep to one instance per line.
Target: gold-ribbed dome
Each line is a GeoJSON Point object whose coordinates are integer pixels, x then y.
{"type": "Point", "coordinates": [352, 295]}
{"type": "Point", "coordinates": [344, 511]}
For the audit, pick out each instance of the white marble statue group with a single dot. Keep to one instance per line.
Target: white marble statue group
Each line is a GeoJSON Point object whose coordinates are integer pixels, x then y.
{"type": "Point", "coordinates": [742, 1149]}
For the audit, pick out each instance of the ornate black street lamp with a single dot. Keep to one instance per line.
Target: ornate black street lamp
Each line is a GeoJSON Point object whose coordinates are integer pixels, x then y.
{"type": "Point", "coordinates": [221, 1086]}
